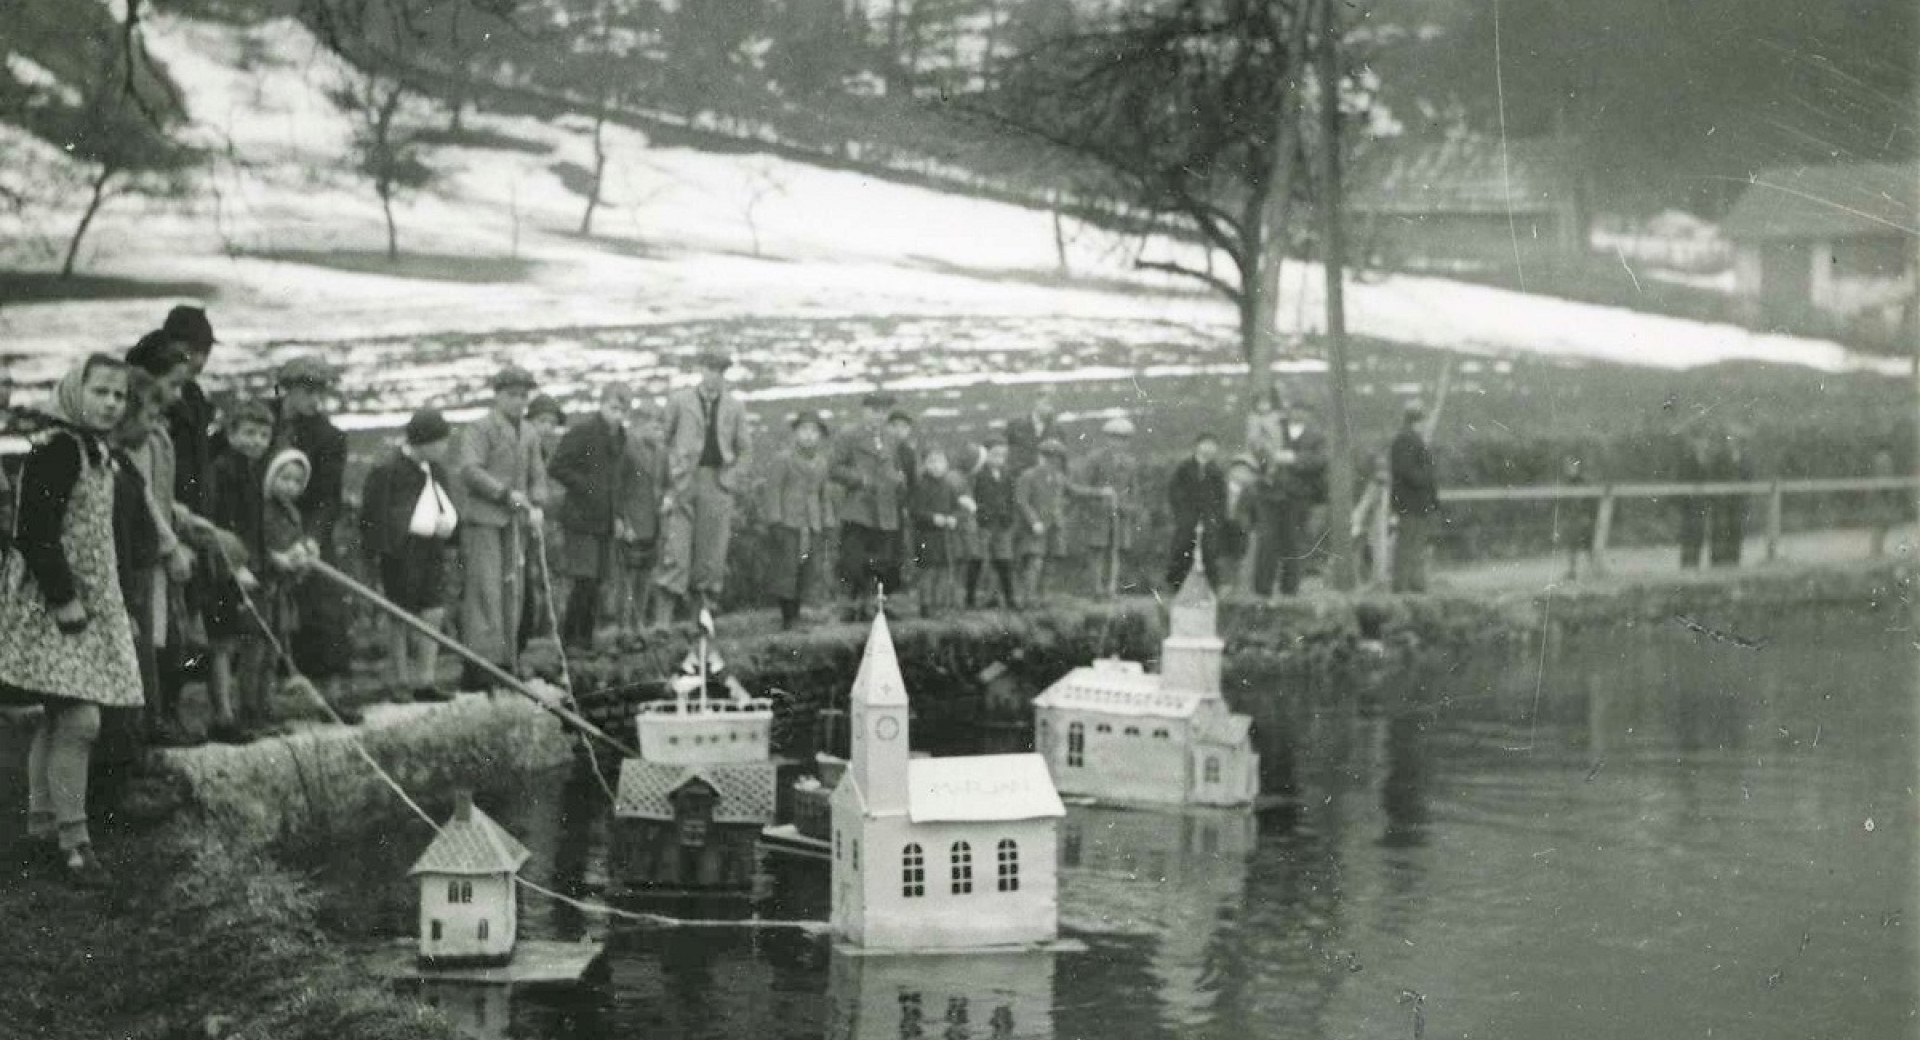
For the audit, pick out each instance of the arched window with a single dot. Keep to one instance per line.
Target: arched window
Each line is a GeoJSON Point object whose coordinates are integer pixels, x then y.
{"type": "Point", "coordinates": [913, 872]}
{"type": "Point", "coordinates": [1009, 865]}
{"type": "Point", "coordinates": [481, 932]}
{"type": "Point", "coordinates": [1103, 728]}
{"type": "Point", "coordinates": [1132, 731]}
{"type": "Point", "coordinates": [459, 891]}
{"type": "Point", "coordinates": [1077, 744]}
{"type": "Point", "coordinates": [1161, 734]}
{"type": "Point", "coordinates": [962, 868]}
{"type": "Point", "coordinates": [1213, 769]}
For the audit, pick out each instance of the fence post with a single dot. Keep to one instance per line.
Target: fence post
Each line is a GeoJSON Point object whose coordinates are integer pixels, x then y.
{"type": "Point", "coordinates": [1602, 530]}
{"type": "Point", "coordinates": [1773, 523]}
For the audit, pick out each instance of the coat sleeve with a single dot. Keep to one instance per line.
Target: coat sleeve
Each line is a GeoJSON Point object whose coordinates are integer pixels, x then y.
{"type": "Point", "coordinates": [472, 464]}
{"type": "Point", "coordinates": [46, 486]}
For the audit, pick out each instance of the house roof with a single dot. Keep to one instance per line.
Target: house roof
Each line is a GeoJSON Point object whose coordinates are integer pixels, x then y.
{"type": "Point", "coordinates": [472, 844]}
{"type": "Point", "coordinates": [981, 788]}
{"type": "Point", "coordinates": [1473, 175]}
{"type": "Point", "coordinates": [1114, 688]}
{"type": "Point", "coordinates": [1828, 202]}
{"type": "Point", "coordinates": [746, 789]}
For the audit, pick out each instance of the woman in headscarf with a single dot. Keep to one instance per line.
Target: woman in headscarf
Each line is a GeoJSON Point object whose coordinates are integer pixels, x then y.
{"type": "Point", "coordinates": [66, 639]}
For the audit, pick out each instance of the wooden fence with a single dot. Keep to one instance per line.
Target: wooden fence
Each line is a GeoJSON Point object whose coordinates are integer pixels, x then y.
{"type": "Point", "coordinates": [1374, 523]}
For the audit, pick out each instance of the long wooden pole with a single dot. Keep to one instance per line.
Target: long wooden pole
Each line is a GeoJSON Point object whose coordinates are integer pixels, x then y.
{"type": "Point", "coordinates": [1334, 258]}
{"type": "Point", "coordinates": [459, 649]}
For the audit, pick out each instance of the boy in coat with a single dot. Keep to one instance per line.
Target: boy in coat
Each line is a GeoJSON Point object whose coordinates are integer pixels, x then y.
{"type": "Point", "coordinates": [936, 513]}
{"type": "Point", "coordinates": [591, 463]}
{"type": "Point", "coordinates": [795, 509]}
{"type": "Point", "coordinates": [996, 517]}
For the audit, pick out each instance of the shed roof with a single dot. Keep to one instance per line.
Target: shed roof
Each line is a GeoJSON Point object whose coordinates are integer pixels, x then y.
{"type": "Point", "coordinates": [746, 789]}
{"type": "Point", "coordinates": [472, 843]}
{"type": "Point", "coordinates": [1472, 174]}
{"type": "Point", "coordinates": [981, 788]}
{"type": "Point", "coordinates": [1821, 202]}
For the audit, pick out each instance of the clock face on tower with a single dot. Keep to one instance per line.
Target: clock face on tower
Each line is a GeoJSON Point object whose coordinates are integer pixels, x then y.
{"type": "Point", "coordinates": [886, 727]}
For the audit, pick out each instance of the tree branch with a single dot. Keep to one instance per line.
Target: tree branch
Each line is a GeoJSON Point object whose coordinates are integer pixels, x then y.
{"type": "Point", "coordinates": [1218, 284]}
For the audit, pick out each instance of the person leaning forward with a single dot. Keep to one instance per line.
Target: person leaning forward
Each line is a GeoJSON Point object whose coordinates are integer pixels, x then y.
{"type": "Point", "coordinates": [497, 478]}
{"type": "Point", "coordinates": [707, 448]}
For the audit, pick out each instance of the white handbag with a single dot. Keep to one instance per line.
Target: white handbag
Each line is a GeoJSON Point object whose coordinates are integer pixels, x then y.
{"type": "Point", "coordinates": [433, 515]}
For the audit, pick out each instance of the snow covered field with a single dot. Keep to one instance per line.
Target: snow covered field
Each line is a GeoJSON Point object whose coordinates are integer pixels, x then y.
{"type": "Point", "coordinates": [684, 236]}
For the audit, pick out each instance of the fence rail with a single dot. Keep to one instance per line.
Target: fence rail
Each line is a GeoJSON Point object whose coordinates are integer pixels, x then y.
{"type": "Point", "coordinates": [1373, 522]}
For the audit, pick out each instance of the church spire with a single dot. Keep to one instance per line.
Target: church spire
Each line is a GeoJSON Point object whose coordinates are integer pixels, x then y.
{"type": "Point", "coordinates": [1196, 589]}
{"type": "Point", "coordinates": [879, 681]}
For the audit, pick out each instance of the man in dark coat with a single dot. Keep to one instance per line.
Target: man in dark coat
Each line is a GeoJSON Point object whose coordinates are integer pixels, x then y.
{"type": "Point", "coordinates": [867, 471]}
{"type": "Point", "coordinates": [1415, 500]}
{"type": "Point", "coordinates": [1197, 495]}
{"type": "Point", "coordinates": [592, 464]}
{"type": "Point", "coordinates": [190, 420]}
{"type": "Point", "coordinates": [323, 650]}
{"type": "Point", "coordinates": [1025, 433]}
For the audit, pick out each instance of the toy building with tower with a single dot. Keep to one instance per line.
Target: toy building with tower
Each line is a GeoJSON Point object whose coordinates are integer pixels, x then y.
{"type": "Point", "coordinates": [690, 809]}
{"type": "Point", "coordinates": [937, 854]}
{"type": "Point", "coordinates": [1115, 732]}
{"type": "Point", "coordinates": [469, 901]}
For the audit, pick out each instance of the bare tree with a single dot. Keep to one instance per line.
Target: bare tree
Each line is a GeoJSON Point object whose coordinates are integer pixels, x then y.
{"type": "Point", "coordinates": [386, 147]}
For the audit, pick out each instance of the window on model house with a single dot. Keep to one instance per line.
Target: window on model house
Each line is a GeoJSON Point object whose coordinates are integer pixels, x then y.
{"type": "Point", "coordinates": [962, 868]}
{"type": "Point", "coordinates": [1161, 734]}
{"type": "Point", "coordinates": [459, 891]}
{"type": "Point", "coordinates": [433, 931]}
{"type": "Point", "coordinates": [481, 932]}
{"type": "Point", "coordinates": [913, 872]}
{"type": "Point", "coordinates": [1009, 865]}
{"type": "Point", "coordinates": [1132, 731]}
{"type": "Point", "coordinates": [693, 833]}
{"type": "Point", "coordinates": [1077, 744]}
{"type": "Point", "coordinates": [1213, 769]}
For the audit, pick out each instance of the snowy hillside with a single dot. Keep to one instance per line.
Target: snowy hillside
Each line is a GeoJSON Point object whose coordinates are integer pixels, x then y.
{"type": "Point", "coordinates": [284, 235]}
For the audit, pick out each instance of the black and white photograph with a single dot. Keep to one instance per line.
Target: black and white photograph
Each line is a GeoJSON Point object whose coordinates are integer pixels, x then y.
{"type": "Point", "coordinates": [962, 519]}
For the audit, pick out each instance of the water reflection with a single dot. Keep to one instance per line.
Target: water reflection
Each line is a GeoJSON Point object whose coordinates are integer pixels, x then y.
{"type": "Point", "coordinates": [1627, 833]}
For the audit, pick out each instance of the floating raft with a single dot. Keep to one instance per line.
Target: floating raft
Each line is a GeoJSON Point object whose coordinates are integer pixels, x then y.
{"type": "Point", "coordinates": [535, 962]}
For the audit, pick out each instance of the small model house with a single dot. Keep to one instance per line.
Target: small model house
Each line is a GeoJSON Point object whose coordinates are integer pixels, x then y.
{"type": "Point", "coordinates": [1116, 732]}
{"type": "Point", "coordinates": [469, 905]}
{"type": "Point", "coordinates": [937, 853]}
{"type": "Point", "coordinates": [690, 809]}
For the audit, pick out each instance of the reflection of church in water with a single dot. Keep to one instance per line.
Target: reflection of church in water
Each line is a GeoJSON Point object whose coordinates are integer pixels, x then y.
{"type": "Point", "coordinates": [971, 996]}
{"type": "Point", "coordinates": [1167, 877]}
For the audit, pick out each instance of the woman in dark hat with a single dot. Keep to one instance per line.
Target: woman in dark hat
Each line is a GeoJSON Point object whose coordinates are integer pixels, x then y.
{"type": "Point", "coordinates": [407, 520]}
{"type": "Point", "coordinates": [795, 510]}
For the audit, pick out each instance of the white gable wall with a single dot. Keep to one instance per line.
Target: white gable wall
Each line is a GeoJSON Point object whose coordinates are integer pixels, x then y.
{"type": "Point", "coordinates": [495, 900]}
{"type": "Point", "coordinates": [1138, 768]}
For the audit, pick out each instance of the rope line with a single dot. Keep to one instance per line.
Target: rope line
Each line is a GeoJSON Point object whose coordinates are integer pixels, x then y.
{"type": "Point", "coordinates": [560, 647]}
{"type": "Point", "coordinates": [354, 739]}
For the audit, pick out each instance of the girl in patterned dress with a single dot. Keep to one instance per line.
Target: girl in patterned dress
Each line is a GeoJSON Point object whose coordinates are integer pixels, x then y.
{"type": "Point", "coordinates": [66, 639]}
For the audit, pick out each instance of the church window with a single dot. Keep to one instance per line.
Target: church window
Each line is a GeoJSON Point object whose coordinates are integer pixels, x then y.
{"type": "Point", "coordinates": [1009, 865]}
{"type": "Point", "coordinates": [913, 872]}
{"type": "Point", "coordinates": [1161, 734]}
{"type": "Point", "coordinates": [434, 931]}
{"type": "Point", "coordinates": [1077, 744]}
{"type": "Point", "coordinates": [1213, 769]}
{"type": "Point", "coordinates": [961, 873]}
{"type": "Point", "coordinates": [481, 932]}
{"type": "Point", "coordinates": [1103, 728]}
{"type": "Point", "coordinates": [1133, 731]}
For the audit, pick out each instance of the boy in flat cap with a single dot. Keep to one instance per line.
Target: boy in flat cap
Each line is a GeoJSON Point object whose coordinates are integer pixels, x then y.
{"type": "Point", "coordinates": [707, 447]}
{"type": "Point", "coordinates": [867, 471]}
{"type": "Point", "coordinates": [497, 479]}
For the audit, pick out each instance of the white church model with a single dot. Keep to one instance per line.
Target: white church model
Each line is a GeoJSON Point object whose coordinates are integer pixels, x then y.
{"type": "Point", "coordinates": [937, 853]}
{"type": "Point", "coordinates": [1118, 733]}
{"type": "Point", "coordinates": [469, 904]}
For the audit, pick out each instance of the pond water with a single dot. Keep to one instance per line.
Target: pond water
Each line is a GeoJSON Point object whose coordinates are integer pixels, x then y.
{"type": "Point", "coordinates": [1636, 832]}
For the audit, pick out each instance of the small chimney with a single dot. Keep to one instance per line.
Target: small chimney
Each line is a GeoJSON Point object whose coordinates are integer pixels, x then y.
{"type": "Point", "coordinates": [462, 805]}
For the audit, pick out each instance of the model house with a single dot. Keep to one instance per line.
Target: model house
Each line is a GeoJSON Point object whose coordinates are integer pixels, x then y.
{"type": "Point", "coordinates": [469, 902]}
{"type": "Point", "coordinates": [937, 853]}
{"type": "Point", "coordinates": [1116, 732]}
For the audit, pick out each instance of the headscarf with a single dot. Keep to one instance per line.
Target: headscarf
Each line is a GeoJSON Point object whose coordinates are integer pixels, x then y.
{"type": "Point", "coordinates": [281, 460]}
{"type": "Point", "coordinates": [69, 393]}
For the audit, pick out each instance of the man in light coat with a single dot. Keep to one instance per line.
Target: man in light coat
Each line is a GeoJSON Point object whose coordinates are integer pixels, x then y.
{"type": "Point", "coordinates": [498, 476]}
{"type": "Point", "coordinates": [707, 447]}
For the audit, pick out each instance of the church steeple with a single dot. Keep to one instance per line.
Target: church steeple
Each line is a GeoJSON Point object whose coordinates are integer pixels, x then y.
{"type": "Point", "coordinates": [879, 723]}
{"type": "Point", "coordinates": [1191, 654]}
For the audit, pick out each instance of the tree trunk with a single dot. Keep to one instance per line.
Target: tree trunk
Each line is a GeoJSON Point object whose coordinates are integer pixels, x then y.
{"type": "Point", "coordinates": [94, 202]}
{"type": "Point", "coordinates": [599, 170]}
{"type": "Point", "coordinates": [393, 232]}
{"type": "Point", "coordinates": [1061, 266]}
{"type": "Point", "coordinates": [1340, 436]}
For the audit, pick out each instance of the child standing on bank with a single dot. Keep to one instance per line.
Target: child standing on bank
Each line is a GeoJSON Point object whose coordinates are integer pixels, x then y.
{"type": "Point", "coordinates": [235, 504]}
{"type": "Point", "coordinates": [407, 523]}
{"type": "Point", "coordinates": [795, 509]}
{"type": "Point", "coordinates": [936, 512]}
{"type": "Point", "coordinates": [996, 517]}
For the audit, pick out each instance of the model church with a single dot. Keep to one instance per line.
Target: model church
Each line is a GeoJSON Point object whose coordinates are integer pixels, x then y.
{"type": "Point", "coordinates": [1118, 733]}
{"type": "Point", "coordinates": [937, 853]}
